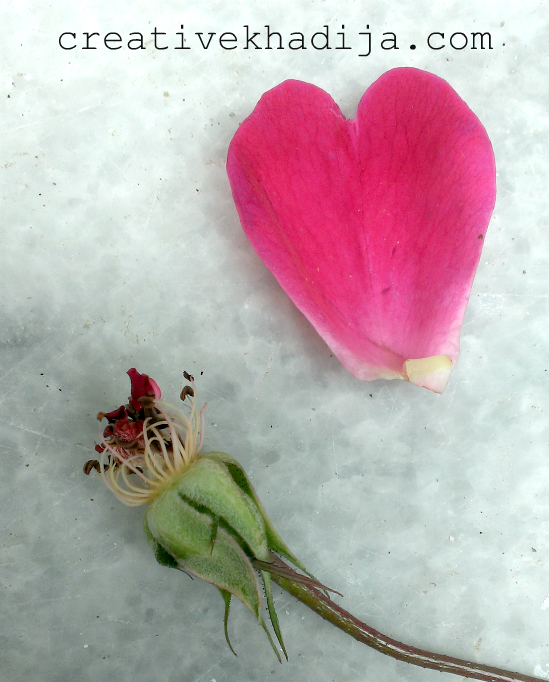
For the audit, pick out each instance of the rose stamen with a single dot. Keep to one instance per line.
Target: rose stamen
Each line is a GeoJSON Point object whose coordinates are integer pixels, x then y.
{"type": "Point", "coordinates": [147, 443]}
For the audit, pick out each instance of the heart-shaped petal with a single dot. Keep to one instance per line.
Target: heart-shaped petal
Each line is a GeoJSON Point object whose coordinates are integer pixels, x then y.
{"type": "Point", "coordinates": [373, 226]}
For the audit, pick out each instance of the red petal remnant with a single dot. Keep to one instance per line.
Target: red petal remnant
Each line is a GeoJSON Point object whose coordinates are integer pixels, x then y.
{"type": "Point", "coordinates": [373, 226]}
{"type": "Point", "coordinates": [142, 386]}
{"type": "Point", "coordinates": [113, 416]}
{"type": "Point", "coordinates": [128, 431]}
{"type": "Point", "coordinates": [124, 434]}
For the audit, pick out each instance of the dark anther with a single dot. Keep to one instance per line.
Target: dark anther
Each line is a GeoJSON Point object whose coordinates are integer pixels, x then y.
{"type": "Point", "coordinates": [187, 391]}
{"type": "Point", "coordinates": [91, 464]}
{"type": "Point", "coordinates": [188, 376]}
{"type": "Point", "coordinates": [134, 414]}
{"type": "Point", "coordinates": [146, 401]}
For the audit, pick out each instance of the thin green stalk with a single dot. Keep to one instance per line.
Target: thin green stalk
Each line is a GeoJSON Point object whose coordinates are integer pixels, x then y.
{"type": "Point", "coordinates": [318, 601]}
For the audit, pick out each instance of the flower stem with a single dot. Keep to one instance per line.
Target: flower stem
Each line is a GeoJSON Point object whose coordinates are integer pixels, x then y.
{"type": "Point", "coordinates": [330, 611]}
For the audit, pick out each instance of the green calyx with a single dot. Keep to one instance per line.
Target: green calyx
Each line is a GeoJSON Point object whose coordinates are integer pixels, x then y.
{"type": "Point", "coordinates": [210, 523]}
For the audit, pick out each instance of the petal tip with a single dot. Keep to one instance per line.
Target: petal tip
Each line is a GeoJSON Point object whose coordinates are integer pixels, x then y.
{"type": "Point", "coordinates": [432, 372]}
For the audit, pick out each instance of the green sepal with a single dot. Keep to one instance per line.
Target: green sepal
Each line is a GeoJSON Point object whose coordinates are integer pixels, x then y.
{"type": "Point", "coordinates": [209, 485]}
{"type": "Point", "coordinates": [272, 613]}
{"type": "Point", "coordinates": [160, 554]}
{"type": "Point", "coordinates": [274, 541]}
{"type": "Point", "coordinates": [184, 533]}
{"type": "Point", "coordinates": [210, 523]}
{"type": "Point", "coordinates": [227, 599]}
{"type": "Point", "coordinates": [271, 640]}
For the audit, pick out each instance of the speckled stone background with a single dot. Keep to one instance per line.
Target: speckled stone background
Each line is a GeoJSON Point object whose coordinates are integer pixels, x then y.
{"type": "Point", "coordinates": [121, 247]}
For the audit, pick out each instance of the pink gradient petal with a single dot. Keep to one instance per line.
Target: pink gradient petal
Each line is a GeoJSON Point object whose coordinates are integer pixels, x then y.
{"type": "Point", "coordinates": [373, 226]}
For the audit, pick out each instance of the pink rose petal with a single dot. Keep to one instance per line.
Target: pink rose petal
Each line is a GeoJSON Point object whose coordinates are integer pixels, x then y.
{"type": "Point", "coordinates": [373, 226]}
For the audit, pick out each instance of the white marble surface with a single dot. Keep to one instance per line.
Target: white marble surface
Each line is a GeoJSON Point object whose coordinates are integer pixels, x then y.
{"type": "Point", "coordinates": [121, 247]}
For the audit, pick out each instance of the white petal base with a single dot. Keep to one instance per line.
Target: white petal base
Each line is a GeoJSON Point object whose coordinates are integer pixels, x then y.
{"type": "Point", "coordinates": [432, 373]}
